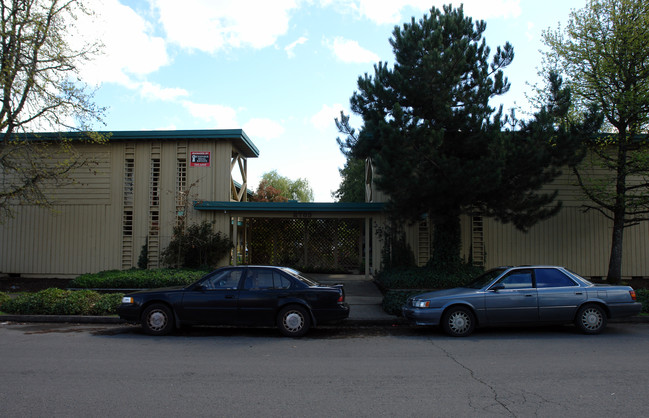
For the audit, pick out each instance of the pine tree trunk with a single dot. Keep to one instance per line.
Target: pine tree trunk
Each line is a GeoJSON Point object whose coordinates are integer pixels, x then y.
{"type": "Point", "coordinates": [615, 261]}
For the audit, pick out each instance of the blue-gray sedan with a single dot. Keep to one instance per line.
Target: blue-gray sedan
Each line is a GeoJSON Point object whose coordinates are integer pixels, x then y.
{"type": "Point", "coordinates": [523, 295]}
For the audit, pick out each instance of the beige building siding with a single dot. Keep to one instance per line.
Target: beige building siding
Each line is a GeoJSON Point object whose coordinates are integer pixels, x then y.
{"type": "Point", "coordinates": [102, 220]}
{"type": "Point", "coordinates": [577, 240]}
{"type": "Point", "coordinates": [78, 236]}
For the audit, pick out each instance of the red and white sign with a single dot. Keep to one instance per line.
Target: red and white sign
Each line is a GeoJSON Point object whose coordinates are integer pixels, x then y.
{"type": "Point", "coordinates": [200, 159]}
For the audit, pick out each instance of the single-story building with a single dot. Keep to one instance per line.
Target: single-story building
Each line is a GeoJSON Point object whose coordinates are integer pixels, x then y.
{"type": "Point", "coordinates": [142, 183]}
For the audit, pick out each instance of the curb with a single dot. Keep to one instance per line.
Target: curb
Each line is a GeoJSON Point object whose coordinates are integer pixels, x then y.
{"type": "Point", "coordinates": [78, 319]}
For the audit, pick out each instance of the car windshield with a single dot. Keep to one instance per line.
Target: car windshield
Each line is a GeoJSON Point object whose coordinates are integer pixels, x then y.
{"type": "Point", "coordinates": [486, 278]}
{"type": "Point", "coordinates": [306, 280]}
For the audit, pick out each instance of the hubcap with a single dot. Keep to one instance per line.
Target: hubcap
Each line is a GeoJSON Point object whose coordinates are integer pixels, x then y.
{"type": "Point", "coordinates": [157, 320]}
{"type": "Point", "coordinates": [459, 322]}
{"type": "Point", "coordinates": [592, 319]}
{"type": "Point", "coordinates": [293, 321]}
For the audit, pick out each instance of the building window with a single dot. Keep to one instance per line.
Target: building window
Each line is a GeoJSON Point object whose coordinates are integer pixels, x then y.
{"type": "Point", "coordinates": [181, 190]}
{"type": "Point", "coordinates": [129, 169]}
{"type": "Point", "coordinates": [154, 187]}
{"type": "Point", "coordinates": [127, 223]}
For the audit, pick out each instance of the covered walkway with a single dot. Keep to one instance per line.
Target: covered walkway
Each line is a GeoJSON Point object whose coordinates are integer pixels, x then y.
{"type": "Point", "coordinates": [241, 214]}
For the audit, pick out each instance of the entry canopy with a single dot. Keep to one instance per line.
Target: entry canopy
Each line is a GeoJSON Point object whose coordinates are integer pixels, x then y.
{"type": "Point", "coordinates": [293, 209]}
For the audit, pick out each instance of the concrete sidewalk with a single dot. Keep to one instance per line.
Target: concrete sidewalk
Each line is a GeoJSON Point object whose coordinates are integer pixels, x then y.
{"type": "Point", "coordinates": [364, 298]}
{"type": "Point", "coordinates": [362, 294]}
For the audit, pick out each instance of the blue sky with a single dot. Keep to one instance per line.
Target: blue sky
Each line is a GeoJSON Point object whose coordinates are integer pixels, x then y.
{"type": "Point", "coordinates": [281, 70]}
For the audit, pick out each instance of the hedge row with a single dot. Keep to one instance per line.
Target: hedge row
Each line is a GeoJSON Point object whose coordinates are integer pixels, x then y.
{"type": "Point", "coordinates": [137, 279]}
{"type": "Point", "coordinates": [61, 302]}
{"type": "Point", "coordinates": [427, 278]}
{"type": "Point", "coordinates": [393, 300]}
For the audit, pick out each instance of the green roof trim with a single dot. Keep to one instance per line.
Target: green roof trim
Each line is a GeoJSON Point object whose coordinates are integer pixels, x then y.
{"type": "Point", "coordinates": [238, 136]}
{"type": "Point", "coordinates": [335, 207]}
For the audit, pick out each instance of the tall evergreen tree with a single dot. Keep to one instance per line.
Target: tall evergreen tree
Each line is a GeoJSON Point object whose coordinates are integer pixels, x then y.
{"type": "Point", "coordinates": [438, 146]}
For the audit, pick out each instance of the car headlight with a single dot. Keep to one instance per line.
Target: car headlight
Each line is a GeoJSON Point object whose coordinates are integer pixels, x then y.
{"type": "Point", "coordinates": [128, 300]}
{"type": "Point", "coordinates": [421, 303]}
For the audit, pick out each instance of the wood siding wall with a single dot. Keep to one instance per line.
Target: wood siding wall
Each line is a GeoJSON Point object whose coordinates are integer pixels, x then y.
{"type": "Point", "coordinates": [85, 232]}
{"type": "Point", "coordinates": [576, 239]}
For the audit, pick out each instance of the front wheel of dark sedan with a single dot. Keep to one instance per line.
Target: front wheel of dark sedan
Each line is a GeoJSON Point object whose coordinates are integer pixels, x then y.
{"type": "Point", "coordinates": [458, 321]}
{"type": "Point", "coordinates": [591, 319]}
{"type": "Point", "coordinates": [293, 321]}
{"type": "Point", "coordinates": [157, 320]}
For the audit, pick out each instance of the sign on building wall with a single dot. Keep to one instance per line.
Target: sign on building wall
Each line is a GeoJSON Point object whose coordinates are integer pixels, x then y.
{"type": "Point", "coordinates": [200, 159]}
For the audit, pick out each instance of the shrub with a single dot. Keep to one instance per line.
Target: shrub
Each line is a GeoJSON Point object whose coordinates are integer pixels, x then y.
{"type": "Point", "coordinates": [643, 297]}
{"type": "Point", "coordinates": [63, 302]}
{"type": "Point", "coordinates": [137, 279]}
{"type": "Point", "coordinates": [393, 300]}
{"type": "Point", "coordinates": [196, 246]}
{"type": "Point", "coordinates": [427, 278]}
{"type": "Point", "coordinates": [4, 297]}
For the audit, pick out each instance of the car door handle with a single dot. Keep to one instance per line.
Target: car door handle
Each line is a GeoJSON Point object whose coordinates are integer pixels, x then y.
{"type": "Point", "coordinates": [579, 293]}
{"type": "Point", "coordinates": [229, 296]}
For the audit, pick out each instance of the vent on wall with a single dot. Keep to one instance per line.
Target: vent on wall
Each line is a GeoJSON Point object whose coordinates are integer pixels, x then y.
{"type": "Point", "coordinates": [127, 203]}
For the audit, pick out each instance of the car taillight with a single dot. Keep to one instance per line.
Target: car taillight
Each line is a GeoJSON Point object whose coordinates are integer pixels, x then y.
{"type": "Point", "coordinates": [632, 293]}
{"type": "Point", "coordinates": [341, 298]}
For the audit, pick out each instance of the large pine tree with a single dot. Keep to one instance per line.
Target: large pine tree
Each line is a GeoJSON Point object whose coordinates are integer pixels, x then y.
{"type": "Point", "coordinates": [438, 145]}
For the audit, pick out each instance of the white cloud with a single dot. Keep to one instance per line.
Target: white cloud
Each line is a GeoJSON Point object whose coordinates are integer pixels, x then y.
{"type": "Point", "coordinates": [222, 117]}
{"type": "Point", "coordinates": [261, 128]}
{"type": "Point", "coordinates": [155, 91]}
{"type": "Point", "coordinates": [130, 48]}
{"type": "Point", "coordinates": [289, 49]}
{"type": "Point", "coordinates": [530, 31]}
{"type": "Point", "coordinates": [324, 119]}
{"type": "Point", "coordinates": [395, 11]}
{"type": "Point", "coordinates": [210, 26]}
{"type": "Point", "coordinates": [350, 51]}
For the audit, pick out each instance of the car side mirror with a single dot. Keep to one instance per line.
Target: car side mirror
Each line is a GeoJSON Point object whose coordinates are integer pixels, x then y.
{"type": "Point", "coordinates": [200, 287]}
{"type": "Point", "coordinates": [497, 287]}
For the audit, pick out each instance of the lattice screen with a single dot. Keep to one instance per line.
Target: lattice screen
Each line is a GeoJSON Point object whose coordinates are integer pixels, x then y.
{"type": "Point", "coordinates": [314, 244]}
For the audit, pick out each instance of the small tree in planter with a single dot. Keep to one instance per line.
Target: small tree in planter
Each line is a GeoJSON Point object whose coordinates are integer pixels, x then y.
{"type": "Point", "coordinates": [196, 246]}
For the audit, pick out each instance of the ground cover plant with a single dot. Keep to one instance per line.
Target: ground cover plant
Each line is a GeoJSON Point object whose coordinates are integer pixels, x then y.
{"type": "Point", "coordinates": [137, 279]}
{"type": "Point", "coordinates": [61, 302]}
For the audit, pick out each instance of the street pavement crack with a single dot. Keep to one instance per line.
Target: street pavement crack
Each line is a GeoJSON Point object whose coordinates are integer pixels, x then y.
{"type": "Point", "coordinates": [496, 398]}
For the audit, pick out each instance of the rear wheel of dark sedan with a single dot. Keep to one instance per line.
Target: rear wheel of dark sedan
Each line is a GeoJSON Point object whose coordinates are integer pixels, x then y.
{"type": "Point", "coordinates": [157, 320]}
{"type": "Point", "coordinates": [591, 319]}
{"type": "Point", "coordinates": [293, 321]}
{"type": "Point", "coordinates": [458, 321]}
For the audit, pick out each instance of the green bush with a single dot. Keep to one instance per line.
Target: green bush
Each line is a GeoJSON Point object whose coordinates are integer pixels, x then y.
{"type": "Point", "coordinates": [643, 297]}
{"type": "Point", "coordinates": [3, 298]}
{"type": "Point", "coordinates": [196, 246]}
{"type": "Point", "coordinates": [137, 279]}
{"type": "Point", "coordinates": [427, 278]}
{"type": "Point", "coordinates": [393, 300]}
{"type": "Point", "coordinates": [63, 302]}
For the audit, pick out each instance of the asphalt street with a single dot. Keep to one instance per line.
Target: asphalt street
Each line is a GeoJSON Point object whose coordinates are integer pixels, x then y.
{"type": "Point", "coordinates": [115, 370]}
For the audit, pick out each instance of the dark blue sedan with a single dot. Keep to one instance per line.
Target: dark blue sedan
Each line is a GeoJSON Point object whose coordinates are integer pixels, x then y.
{"type": "Point", "coordinates": [523, 295]}
{"type": "Point", "coordinates": [246, 295]}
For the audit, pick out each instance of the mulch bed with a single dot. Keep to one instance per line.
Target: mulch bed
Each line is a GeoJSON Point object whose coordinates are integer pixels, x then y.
{"type": "Point", "coordinates": [11, 284]}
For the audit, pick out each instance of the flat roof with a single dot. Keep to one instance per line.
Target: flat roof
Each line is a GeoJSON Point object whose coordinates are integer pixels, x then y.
{"type": "Point", "coordinates": [237, 136]}
{"type": "Point", "coordinates": [292, 209]}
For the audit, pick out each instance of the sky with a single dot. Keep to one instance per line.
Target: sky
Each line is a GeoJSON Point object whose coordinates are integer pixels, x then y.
{"type": "Point", "coordinates": [281, 70]}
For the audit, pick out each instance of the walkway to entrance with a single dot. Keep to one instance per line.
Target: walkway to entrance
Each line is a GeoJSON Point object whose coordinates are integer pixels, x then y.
{"type": "Point", "coordinates": [241, 212]}
{"type": "Point", "coordinates": [362, 294]}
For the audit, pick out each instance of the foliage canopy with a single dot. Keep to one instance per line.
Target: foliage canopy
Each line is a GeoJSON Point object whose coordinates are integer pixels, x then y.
{"type": "Point", "coordinates": [39, 75]}
{"type": "Point", "coordinates": [603, 52]}
{"type": "Point", "coordinates": [440, 148]}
